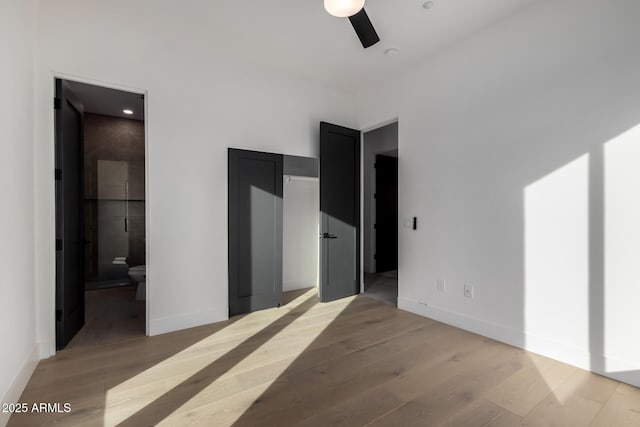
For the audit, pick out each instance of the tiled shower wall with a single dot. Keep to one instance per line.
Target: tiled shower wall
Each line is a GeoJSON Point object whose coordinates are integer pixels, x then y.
{"type": "Point", "coordinates": [114, 153]}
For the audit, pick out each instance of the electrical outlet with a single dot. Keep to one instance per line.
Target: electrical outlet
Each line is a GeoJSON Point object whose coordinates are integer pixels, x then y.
{"type": "Point", "coordinates": [441, 285]}
{"type": "Point", "coordinates": [468, 290]}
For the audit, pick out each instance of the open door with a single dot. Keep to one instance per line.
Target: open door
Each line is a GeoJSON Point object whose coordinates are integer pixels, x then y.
{"type": "Point", "coordinates": [255, 230]}
{"type": "Point", "coordinates": [340, 212]}
{"type": "Point", "coordinates": [386, 213]}
{"type": "Point", "coordinates": [69, 216]}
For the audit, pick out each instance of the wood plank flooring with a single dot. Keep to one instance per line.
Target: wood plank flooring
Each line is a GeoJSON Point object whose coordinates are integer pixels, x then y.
{"type": "Point", "coordinates": [353, 362]}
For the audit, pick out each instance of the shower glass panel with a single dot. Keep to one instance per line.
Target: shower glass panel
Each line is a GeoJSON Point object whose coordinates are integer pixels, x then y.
{"type": "Point", "coordinates": [115, 222]}
{"type": "Point", "coordinates": [114, 179]}
{"type": "Point", "coordinates": [112, 220]}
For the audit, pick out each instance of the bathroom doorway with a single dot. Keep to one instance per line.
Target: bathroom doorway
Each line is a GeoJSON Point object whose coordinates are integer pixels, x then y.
{"type": "Point", "coordinates": [101, 287]}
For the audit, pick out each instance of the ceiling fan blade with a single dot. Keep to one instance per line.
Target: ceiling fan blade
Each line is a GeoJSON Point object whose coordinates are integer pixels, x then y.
{"type": "Point", "coordinates": [364, 29]}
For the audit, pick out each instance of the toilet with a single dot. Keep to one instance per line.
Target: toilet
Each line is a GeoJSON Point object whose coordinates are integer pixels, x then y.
{"type": "Point", "coordinates": [139, 274]}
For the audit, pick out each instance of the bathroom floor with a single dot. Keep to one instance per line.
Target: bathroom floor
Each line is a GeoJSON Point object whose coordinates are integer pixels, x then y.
{"type": "Point", "coordinates": [111, 315]}
{"type": "Point", "coordinates": [96, 285]}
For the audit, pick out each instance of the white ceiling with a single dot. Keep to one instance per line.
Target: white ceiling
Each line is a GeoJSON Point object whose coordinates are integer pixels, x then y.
{"type": "Point", "coordinates": [299, 37]}
{"type": "Point", "coordinates": [288, 37]}
{"type": "Point", "coordinates": [108, 102]}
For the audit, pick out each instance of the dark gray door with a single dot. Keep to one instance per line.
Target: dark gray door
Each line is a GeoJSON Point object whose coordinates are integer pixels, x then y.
{"type": "Point", "coordinates": [386, 213]}
{"type": "Point", "coordinates": [340, 212]}
{"type": "Point", "coordinates": [255, 231]}
{"type": "Point", "coordinates": [69, 216]}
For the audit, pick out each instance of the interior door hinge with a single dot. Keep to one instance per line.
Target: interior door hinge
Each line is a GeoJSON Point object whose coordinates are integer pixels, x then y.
{"type": "Point", "coordinates": [58, 244]}
{"type": "Point", "coordinates": [375, 256]}
{"type": "Point", "coordinates": [375, 195]}
{"type": "Point", "coordinates": [58, 174]}
{"type": "Point", "coordinates": [57, 103]}
{"type": "Point", "coordinates": [375, 226]}
{"type": "Point", "coordinates": [58, 315]}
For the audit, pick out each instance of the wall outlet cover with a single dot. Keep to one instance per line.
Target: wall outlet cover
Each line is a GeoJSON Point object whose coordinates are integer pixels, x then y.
{"type": "Point", "coordinates": [468, 290]}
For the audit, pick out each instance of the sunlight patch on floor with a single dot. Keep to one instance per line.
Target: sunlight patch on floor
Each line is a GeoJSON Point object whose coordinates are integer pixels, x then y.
{"type": "Point", "coordinates": [277, 355]}
{"type": "Point", "coordinates": [129, 397]}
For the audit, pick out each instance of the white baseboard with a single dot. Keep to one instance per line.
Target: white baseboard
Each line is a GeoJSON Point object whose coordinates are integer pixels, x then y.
{"type": "Point", "coordinates": [177, 323]}
{"type": "Point", "coordinates": [20, 382]}
{"type": "Point", "coordinates": [580, 358]}
{"type": "Point", "coordinates": [46, 349]}
{"type": "Point", "coordinates": [462, 321]}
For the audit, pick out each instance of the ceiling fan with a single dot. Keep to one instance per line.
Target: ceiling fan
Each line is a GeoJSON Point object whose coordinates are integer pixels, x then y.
{"type": "Point", "coordinates": [354, 10]}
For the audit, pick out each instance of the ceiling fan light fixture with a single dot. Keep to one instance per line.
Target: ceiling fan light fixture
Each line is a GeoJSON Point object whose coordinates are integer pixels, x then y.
{"type": "Point", "coordinates": [343, 8]}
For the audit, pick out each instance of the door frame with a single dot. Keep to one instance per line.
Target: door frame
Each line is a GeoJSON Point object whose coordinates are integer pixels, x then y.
{"type": "Point", "coordinates": [51, 230]}
{"type": "Point", "coordinates": [364, 130]}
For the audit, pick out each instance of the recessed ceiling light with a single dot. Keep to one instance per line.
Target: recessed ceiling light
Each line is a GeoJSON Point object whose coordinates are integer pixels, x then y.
{"type": "Point", "coordinates": [427, 4]}
{"type": "Point", "coordinates": [391, 51]}
{"type": "Point", "coordinates": [128, 112]}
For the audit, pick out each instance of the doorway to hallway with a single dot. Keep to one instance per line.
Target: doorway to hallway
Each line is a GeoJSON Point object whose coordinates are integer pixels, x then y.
{"type": "Point", "coordinates": [381, 223]}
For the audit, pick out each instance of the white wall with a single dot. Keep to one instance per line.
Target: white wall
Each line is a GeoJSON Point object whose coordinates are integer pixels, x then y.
{"type": "Point", "coordinates": [17, 289]}
{"type": "Point", "coordinates": [200, 101]}
{"type": "Point", "coordinates": [300, 229]}
{"type": "Point", "coordinates": [487, 124]}
{"type": "Point", "coordinates": [511, 160]}
{"type": "Point", "coordinates": [379, 141]}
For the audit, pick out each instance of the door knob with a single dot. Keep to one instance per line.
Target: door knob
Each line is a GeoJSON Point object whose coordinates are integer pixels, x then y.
{"type": "Point", "coordinates": [328, 236]}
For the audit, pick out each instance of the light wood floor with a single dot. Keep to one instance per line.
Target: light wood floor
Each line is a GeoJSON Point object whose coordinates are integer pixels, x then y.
{"type": "Point", "coordinates": [352, 362]}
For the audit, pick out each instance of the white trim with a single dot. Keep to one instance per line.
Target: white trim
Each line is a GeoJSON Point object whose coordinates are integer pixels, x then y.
{"type": "Point", "coordinates": [381, 124]}
{"type": "Point", "coordinates": [147, 223]}
{"type": "Point", "coordinates": [101, 83]}
{"type": "Point", "coordinates": [462, 321]}
{"type": "Point", "coordinates": [578, 357]}
{"type": "Point", "coordinates": [20, 382]}
{"type": "Point", "coordinates": [185, 321]}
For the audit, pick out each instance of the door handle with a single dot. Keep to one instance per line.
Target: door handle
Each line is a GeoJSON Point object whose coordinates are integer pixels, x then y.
{"type": "Point", "coordinates": [328, 236]}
